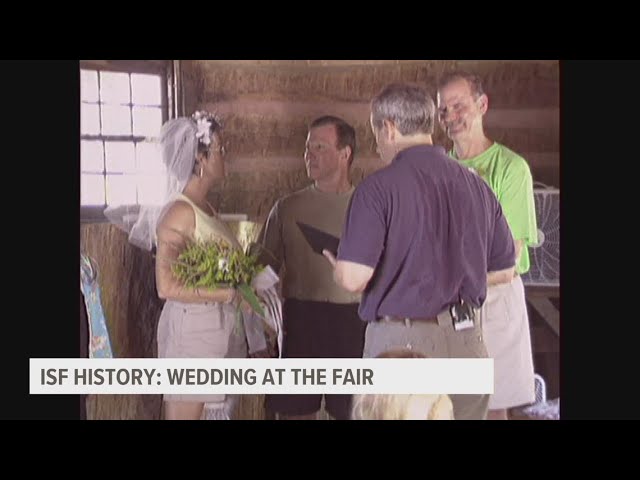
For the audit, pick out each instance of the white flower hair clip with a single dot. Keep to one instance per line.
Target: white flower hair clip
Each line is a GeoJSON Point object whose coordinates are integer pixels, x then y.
{"type": "Point", "coordinates": [203, 124]}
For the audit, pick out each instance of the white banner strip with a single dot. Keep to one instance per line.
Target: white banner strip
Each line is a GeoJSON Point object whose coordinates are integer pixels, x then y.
{"type": "Point", "coordinates": [260, 376]}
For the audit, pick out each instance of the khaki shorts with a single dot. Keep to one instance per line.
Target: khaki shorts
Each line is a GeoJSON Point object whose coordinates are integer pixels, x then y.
{"type": "Point", "coordinates": [205, 330]}
{"type": "Point", "coordinates": [505, 326]}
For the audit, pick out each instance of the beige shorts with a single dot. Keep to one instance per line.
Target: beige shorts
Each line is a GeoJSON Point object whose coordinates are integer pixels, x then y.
{"type": "Point", "coordinates": [505, 326]}
{"type": "Point", "coordinates": [200, 331]}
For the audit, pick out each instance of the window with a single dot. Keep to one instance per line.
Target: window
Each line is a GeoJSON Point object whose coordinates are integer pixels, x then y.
{"type": "Point", "coordinates": [123, 106]}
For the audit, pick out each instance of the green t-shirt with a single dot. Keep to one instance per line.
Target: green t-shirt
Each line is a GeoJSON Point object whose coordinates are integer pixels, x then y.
{"type": "Point", "coordinates": [509, 176]}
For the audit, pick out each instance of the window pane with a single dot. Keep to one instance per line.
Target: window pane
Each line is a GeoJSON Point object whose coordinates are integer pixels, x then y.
{"type": "Point", "coordinates": [116, 120]}
{"type": "Point", "coordinates": [148, 158]}
{"type": "Point", "coordinates": [120, 157]}
{"type": "Point", "coordinates": [91, 156]}
{"type": "Point", "coordinates": [89, 85]}
{"type": "Point", "coordinates": [147, 121]}
{"type": "Point", "coordinates": [151, 189]}
{"type": "Point", "coordinates": [114, 87]}
{"type": "Point", "coordinates": [91, 189]}
{"type": "Point", "coordinates": [89, 119]}
{"type": "Point", "coordinates": [146, 89]}
{"type": "Point", "coordinates": [121, 190]}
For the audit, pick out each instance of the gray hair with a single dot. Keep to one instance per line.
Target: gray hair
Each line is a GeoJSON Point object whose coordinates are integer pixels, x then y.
{"type": "Point", "coordinates": [409, 107]}
{"type": "Point", "coordinates": [473, 80]}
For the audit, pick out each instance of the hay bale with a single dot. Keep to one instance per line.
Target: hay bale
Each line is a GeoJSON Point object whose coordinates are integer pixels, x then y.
{"type": "Point", "coordinates": [518, 84]}
{"type": "Point", "coordinates": [126, 276]}
{"type": "Point", "coordinates": [322, 83]}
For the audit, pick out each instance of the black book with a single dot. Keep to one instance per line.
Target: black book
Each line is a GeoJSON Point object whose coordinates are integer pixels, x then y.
{"type": "Point", "coordinates": [319, 240]}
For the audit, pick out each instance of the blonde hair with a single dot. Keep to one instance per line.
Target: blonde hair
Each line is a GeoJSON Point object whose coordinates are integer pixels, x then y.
{"type": "Point", "coordinates": [401, 406]}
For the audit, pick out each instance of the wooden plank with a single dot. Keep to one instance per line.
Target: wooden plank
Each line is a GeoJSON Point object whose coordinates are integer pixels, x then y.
{"type": "Point", "coordinates": [537, 291]}
{"type": "Point", "coordinates": [523, 117]}
{"type": "Point", "coordinates": [543, 340]}
{"type": "Point", "coordinates": [357, 111]}
{"type": "Point", "coordinates": [547, 311]}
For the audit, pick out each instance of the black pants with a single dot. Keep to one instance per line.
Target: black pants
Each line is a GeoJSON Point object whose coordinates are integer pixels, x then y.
{"type": "Point", "coordinates": [318, 330]}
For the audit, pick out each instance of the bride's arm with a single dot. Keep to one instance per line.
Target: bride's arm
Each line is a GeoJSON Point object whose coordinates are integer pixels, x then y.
{"type": "Point", "coordinates": [174, 228]}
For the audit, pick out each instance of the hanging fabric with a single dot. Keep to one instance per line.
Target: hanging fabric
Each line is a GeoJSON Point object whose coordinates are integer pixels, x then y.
{"type": "Point", "coordinates": [99, 343]}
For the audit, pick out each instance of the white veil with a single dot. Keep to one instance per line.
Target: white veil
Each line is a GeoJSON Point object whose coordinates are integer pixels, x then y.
{"type": "Point", "coordinates": [179, 146]}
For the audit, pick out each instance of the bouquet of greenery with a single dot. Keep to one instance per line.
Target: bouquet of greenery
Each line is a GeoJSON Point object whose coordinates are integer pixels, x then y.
{"type": "Point", "coordinates": [215, 264]}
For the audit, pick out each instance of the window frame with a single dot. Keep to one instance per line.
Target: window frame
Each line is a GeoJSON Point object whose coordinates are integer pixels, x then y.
{"type": "Point", "coordinates": [169, 71]}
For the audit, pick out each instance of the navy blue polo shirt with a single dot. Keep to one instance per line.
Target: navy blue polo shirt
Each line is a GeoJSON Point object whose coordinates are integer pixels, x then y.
{"type": "Point", "coordinates": [431, 229]}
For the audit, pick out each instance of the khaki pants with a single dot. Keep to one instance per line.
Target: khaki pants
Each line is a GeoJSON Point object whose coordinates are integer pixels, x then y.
{"type": "Point", "coordinates": [434, 341]}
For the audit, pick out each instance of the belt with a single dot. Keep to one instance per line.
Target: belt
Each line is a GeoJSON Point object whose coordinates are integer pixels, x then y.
{"type": "Point", "coordinates": [408, 320]}
{"type": "Point", "coordinates": [443, 319]}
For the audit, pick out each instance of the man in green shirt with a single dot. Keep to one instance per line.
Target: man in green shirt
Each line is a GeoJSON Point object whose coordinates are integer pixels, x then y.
{"type": "Point", "coordinates": [462, 104]}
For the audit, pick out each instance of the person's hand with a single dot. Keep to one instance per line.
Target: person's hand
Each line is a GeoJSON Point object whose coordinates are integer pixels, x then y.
{"type": "Point", "coordinates": [329, 256]}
